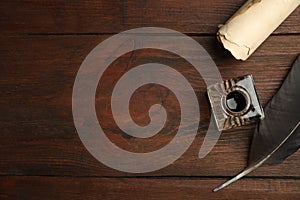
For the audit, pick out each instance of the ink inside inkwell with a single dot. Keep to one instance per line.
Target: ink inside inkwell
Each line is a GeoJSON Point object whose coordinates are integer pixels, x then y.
{"type": "Point", "coordinates": [236, 101]}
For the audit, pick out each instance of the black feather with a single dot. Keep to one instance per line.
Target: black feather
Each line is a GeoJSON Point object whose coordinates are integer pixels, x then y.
{"type": "Point", "coordinates": [282, 114]}
{"type": "Point", "coordinates": [278, 135]}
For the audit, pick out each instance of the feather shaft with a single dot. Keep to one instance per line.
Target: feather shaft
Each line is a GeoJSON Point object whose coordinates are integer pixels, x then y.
{"type": "Point", "coordinates": [257, 164]}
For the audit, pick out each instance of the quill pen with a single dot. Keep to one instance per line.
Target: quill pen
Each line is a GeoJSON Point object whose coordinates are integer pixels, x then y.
{"type": "Point", "coordinates": [277, 136]}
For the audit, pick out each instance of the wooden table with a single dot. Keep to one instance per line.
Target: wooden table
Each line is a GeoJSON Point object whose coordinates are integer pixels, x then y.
{"type": "Point", "coordinates": [43, 44]}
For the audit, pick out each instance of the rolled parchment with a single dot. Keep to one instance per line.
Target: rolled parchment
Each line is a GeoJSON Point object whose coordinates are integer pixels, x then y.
{"type": "Point", "coordinates": [246, 30]}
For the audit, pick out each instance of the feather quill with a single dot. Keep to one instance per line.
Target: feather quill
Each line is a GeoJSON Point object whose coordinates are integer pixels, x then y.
{"type": "Point", "coordinates": [278, 136]}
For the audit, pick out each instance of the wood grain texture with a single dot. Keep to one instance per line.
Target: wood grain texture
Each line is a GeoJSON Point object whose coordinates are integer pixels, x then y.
{"type": "Point", "coordinates": [38, 136]}
{"type": "Point", "coordinates": [144, 188]}
{"type": "Point", "coordinates": [106, 16]}
{"type": "Point", "coordinates": [43, 44]}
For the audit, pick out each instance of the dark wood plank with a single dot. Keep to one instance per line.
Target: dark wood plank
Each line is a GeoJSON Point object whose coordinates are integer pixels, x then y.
{"type": "Point", "coordinates": [38, 136]}
{"type": "Point", "coordinates": [105, 16]}
{"type": "Point", "coordinates": [141, 188]}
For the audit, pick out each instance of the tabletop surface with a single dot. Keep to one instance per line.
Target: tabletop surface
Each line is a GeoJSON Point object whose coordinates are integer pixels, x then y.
{"type": "Point", "coordinates": [43, 44]}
